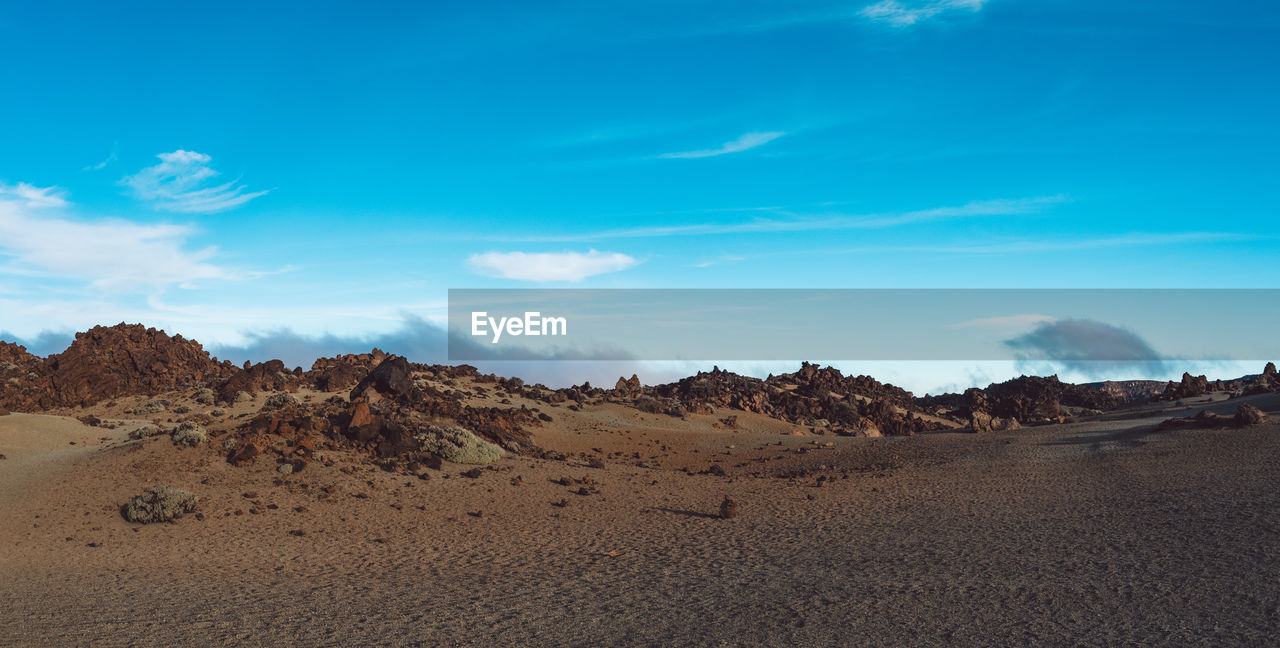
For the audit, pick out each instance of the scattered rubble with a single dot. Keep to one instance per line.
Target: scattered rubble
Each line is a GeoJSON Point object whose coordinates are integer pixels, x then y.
{"type": "Point", "coordinates": [1245, 416]}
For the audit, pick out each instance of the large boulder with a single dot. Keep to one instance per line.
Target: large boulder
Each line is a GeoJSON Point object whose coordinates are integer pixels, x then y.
{"type": "Point", "coordinates": [341, 372]}
{"type": "Point", "coordinates": [628, 387]}
{"type": "Point", "coordinates": [1247, 415]}
{"type": "Point", "coordinates": [391, 378]}
{"type": "Point", "coordinates": [271, 375]}
{"type": "Point", "coordinates": [980, 422]}
{"type": "Point", "coordinates": [866, 428]}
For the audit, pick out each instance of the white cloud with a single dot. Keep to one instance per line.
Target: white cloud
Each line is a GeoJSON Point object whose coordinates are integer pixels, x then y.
{"type": "Point", "coordinates": [549, 266]}
{"type": "Point", "coordinates": [745, 143]}
{"type": "Point", "coordinates": [107, 254]}
{"type": "Point", "coordinates": [31, 196]}
{"type": "Point", "coordinates": [178, 183]}
{"type": "Point", "coordinates": [905, 14]}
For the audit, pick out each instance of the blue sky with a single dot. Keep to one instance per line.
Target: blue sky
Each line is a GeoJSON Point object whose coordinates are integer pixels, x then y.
{"type": "Point", "coordinates": [225, 170]}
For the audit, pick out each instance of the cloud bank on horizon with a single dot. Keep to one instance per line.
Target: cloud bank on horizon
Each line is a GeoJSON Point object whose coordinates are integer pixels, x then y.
{"type": "Point", "coordinates": [277, 183]}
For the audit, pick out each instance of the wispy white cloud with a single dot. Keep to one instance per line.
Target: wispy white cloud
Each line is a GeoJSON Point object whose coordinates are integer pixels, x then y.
{"type": "Point", "coordinates": [720, 260]}
{"type": "Point", "coordinates": [788, 221]}
{"type": "Point", "coordinates": [1136, 239]}
{"type": "Point", "coordinates": [27, 195]}
{"type": "Point", "coordinates": [549, 266]}
{"type": "Point", "coordinates": [906, 13]}
{"type": "Point", "coordinates": [105, 161]}
{"type": "Point", "coordinates": [179, 183]}
{"type": "Point", "coordinates": [105, 254]}
{"type": "Point", "coordinates": [746, 142]}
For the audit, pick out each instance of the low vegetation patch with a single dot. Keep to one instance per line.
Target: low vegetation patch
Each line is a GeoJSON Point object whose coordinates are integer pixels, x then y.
{"type": "Point", "coordinates": [160, 504]}
{"type": "Point", "coordinates": [189, 434]}
{"type": "Point", "coordinates": [278, 400]}
{"type": "Point", "coordinates": [458, 445]}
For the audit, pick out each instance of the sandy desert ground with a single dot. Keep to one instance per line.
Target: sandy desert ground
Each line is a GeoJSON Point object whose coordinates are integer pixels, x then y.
{"type": "Point", "coordinates": [1100, 532]}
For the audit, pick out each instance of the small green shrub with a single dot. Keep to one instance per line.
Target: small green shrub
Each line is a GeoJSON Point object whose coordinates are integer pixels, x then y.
{"type": "Point", "coordinates": [144, 432]}
{"type": "Point", "coordinates": [458, 445]}
{"type": "Point", "coordinates": [189, 434]}
{"type": "Point", "coordinates": [151, 407]}
{"type": "Point", "coordinates": [160, 504]}
{"type": "Point", "coordinates": [278, 400]}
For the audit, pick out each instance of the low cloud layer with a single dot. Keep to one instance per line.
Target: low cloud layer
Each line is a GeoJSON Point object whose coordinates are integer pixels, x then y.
{"type": "Point", "coordinates": [44, 344]}
{"type": "Point", "coordinates": [1089, 348]}
{"type": "Point", "coordinates": [416, 339]}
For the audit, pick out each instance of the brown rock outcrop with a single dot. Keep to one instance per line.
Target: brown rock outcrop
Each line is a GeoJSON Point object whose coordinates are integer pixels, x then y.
{"type": "Point", "coordinates": [264, 376]}
{"type": "Point", "coordinates": [808, 394]}
{"type": "Point", "coordinates": [121, 360]}
{"type": "Point", "coordinates": [344, 371]}
{"type": "Point", "coordinates": [1266, 382]}
{"type": "Point", "coordinates": [627, 387]}
{"type": "Point", "coordinates": [1189, 387]}
{"type": "Point", "coordinates": [20, 377]}
{"type": "Point", "coordinates": [387, 411]}
{"type": "Point", "coordinates": [1028, 399]}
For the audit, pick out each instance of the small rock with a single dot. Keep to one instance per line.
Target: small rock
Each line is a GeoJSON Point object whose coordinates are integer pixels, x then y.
{"type": "Point", "coordinates": [728, 508]}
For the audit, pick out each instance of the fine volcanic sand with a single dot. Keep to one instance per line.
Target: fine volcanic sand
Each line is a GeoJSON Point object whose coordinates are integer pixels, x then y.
{"type": "Point", "coordinates": [1101, 532]}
